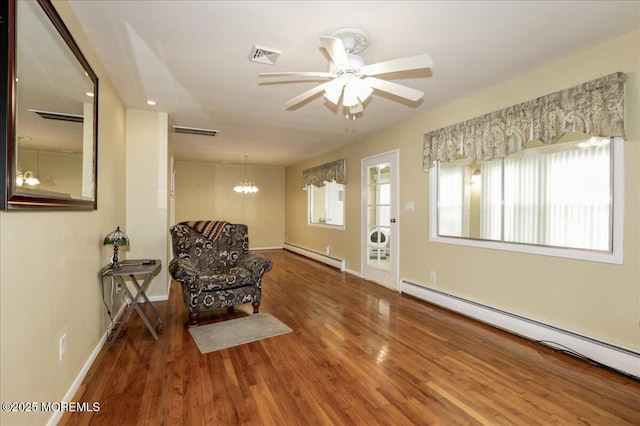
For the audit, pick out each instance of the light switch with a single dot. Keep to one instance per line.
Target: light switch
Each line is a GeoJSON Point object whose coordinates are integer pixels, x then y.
{"type": "Point", "coordinates": [408, 206]}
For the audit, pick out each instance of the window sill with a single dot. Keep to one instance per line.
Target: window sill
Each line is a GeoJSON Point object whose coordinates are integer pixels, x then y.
{"type": "Point", "coordinates": [614, 257]}
{"type": "Point", "coordinates": [325, 225]}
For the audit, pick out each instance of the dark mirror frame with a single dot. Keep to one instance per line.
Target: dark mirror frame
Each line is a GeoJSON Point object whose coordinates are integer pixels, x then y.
{"type": "Point", "coordinates": [10, 199]}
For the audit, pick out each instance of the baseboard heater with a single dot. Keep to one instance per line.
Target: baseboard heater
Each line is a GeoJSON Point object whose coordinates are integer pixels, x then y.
{"type": "Point", "coordinates": [323, 258]}
{"type": "Point", "coordinates": [612, 356]}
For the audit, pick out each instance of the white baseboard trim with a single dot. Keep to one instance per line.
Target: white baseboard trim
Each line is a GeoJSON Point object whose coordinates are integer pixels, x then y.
{"type": "Point", "coordinates": [609, 355]}
{"type": "Point", "coordinates": [331, 261]}
{"type": "Point", "coordinates": [265, 248]}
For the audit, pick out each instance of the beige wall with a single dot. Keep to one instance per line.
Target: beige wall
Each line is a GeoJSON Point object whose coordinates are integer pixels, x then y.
{"type": "Point", "coordinates": [204, 191]}
{"type": "Point", "coordinates": [594, 299]}
{"type": "Point", "coordinates": [48, 271]}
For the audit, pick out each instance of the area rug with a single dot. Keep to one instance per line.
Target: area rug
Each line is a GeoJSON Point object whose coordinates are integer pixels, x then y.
{"type": "Point", "coordinates": [235, 332]}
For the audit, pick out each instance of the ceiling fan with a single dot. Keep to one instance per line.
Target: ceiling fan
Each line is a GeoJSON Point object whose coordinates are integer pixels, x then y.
{"type": "Point", "coordinates": [351, 80]}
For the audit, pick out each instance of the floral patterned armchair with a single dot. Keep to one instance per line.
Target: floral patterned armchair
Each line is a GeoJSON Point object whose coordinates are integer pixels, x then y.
{"type": "Point", "coordinates": [214, 266]}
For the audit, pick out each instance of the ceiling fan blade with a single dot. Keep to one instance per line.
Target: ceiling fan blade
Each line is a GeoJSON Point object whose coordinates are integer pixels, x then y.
{"type": "Point", "coordinates": [296, 74]}
{"type": "Point", "coordinates": [402, 64]}
{"type": "Point", "coordinates": [309, 93]}
{"type": "Point", "coordinates": [336, 49]}
{"type": "Point", "coordinates": [394, 88]}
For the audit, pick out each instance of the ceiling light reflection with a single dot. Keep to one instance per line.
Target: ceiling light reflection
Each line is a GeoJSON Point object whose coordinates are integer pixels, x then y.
{"type": "Point", "coordinates": [382, 355]}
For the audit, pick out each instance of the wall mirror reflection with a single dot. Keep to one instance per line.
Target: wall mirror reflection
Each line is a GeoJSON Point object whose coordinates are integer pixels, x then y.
{"type": "Point", "coordinates": [325, 186]}
{"type": "Point", "coordinates": [326, 204]}
{"type": "Point", "coordinates": [52, 143]}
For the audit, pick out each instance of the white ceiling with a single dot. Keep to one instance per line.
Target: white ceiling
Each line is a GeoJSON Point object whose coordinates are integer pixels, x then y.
{"type": "Point", "coordinates": [192, 58]}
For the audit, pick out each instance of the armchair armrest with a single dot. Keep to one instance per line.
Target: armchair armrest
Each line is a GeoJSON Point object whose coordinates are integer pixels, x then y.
{"type": "Point", "coordinates": [183, 271]}
{"type": "Point", "coordinates": [257, 263]}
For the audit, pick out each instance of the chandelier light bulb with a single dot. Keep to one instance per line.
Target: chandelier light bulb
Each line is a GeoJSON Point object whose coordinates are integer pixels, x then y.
{"type": "Point", "coordinates": [245, 187]}
{"type": "Point", "coordinates": [26, 178]}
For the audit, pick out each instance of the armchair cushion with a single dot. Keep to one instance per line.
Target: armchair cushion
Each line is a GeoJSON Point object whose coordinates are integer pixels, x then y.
{"type": "Point", "coordinates": [225, 278]}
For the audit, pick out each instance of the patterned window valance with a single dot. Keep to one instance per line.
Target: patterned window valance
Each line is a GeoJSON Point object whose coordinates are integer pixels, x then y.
{"type": "Point", "coordinates": [317, 176]}
{"type": "Point", "coordinates": [595, 108]}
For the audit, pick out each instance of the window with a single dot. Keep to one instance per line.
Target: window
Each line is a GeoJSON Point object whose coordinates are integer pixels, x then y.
{"type": "Point", "coordinates": [326, 204]}
{"type": "Point", "coordinates": [563, 199]}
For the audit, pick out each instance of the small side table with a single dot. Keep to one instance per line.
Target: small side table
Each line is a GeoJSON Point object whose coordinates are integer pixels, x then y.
{"type": "Point", "coordinates": [132, 268]}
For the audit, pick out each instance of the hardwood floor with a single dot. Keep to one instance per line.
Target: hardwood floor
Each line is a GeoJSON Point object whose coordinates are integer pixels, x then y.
{"type": "Point", "coordinates": [359, 354]}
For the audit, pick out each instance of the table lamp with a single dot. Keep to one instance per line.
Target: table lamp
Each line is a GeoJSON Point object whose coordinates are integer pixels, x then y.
{"type": "Point", "coordinates": [116, 238]}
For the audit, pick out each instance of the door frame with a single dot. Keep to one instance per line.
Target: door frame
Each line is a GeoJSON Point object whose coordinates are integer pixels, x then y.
{"type": "Point", "coordinates": [387, 279]}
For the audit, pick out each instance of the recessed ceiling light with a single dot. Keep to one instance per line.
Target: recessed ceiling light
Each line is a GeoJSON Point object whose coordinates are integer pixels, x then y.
{"type": "Point", "coordinates": [152, 103]}
{"type": "Point", "coordinates": [90, 94]}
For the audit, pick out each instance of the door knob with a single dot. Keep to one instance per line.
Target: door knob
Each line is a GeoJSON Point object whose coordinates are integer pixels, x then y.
{"type": "Point", "coordinates": [393, 220]}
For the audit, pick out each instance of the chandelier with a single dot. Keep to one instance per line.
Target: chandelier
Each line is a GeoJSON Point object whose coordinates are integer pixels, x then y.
{"type": "Point", "coordinates": [26, 178]}
{"type": "Point", "coordinates": [245, 186]}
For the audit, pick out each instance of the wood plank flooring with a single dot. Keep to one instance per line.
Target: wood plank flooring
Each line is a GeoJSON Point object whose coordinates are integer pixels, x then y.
{"type": "Point", "coordinates": [359, 354]}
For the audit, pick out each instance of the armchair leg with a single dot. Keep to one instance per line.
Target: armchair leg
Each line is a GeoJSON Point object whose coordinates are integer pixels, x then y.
{"type": "Point", "coordinates": [256, 306]}
{"type": "Point", "coordinates": [194, 317]}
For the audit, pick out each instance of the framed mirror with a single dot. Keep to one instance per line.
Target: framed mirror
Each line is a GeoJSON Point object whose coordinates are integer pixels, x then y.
{"type": "Point", "coordinates": [50, 119]}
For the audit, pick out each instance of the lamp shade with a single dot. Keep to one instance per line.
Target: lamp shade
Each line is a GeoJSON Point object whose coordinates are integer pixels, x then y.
{"type": "Point", "coordinates": [116, 238]}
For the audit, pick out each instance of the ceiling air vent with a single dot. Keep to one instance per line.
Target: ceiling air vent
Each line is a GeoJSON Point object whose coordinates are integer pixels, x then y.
{"type": "Point", "coordinates": [62, 116]}
{"type": "Point", "coordinates": [195, 131]}
{"type": "Point", "coordinates": [264, 55]}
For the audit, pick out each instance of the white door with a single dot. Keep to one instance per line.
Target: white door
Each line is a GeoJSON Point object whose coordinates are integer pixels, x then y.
{"type": "Point", "coordinates": [379, 219]}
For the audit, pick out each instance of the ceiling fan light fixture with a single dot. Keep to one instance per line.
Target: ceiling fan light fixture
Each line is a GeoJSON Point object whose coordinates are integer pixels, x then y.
{"type": "Point", "coordinates": [353, 112]}
{"type": "Point", "coordinates": [356, 109]}
{"type": "Point", "coordinates": [333, 90]}
{"type": "Point", "coordinates": [363, 89]}
{"type": "Point", "coordinates": [350, 78]}
{"type": "Point", "coordinates": [350, 96]}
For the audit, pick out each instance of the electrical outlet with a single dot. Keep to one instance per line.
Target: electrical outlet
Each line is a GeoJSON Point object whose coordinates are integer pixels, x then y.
{"type": "Point", "coordinates": [327, 250]}
{"type": "Point", "coordinates": [432, 276]}
{"type": "Point", "coordinates": [63, 346]}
